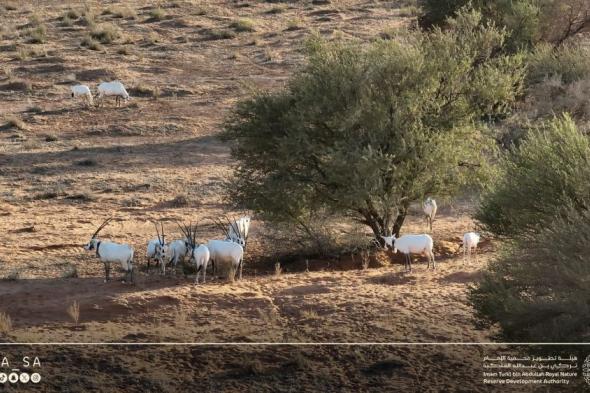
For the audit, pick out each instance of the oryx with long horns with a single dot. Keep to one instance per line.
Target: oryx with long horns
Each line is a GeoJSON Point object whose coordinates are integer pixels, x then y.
{"type": "Point", "coordinates": [228, 250]}
{"type": "Point", "coordinates": [199, 254]}
{"type": "Point", "coordinates": [109, 252]}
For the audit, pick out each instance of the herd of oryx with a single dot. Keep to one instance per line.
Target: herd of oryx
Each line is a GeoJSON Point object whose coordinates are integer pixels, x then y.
{"type": "Point", "coordinates": [105, 89]}
{"type": "Point", "coordinates": [231, 249]}
{"type": "Point", "coordinates": [227, 251]}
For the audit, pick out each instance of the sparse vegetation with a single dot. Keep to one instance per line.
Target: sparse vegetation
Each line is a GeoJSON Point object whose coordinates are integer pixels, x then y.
{"type": "Point", "coordinates": [243, 25]}
{"type": "Point", "coordinates": [74, 312]}
{"type": "Point", "coordinates": [37, 35]}
{"type": "Point", "coordinates": [220, 34]}
{"type": "Point", "coordinates": [5, 323]}
{"type": "Point", "coordinates": [15, 122]}
{"type": "Point", "coordinates": [278, 269]}
{"type": "Point", "coordinates": [106, 33]}
{"type": "Point", "coordinates": [87, 162]}
{"type": "Point", "coordinates": [179, 201]}
{"type": "Point", "coordinates": [157, 14]}
{"type": "Point", "coordinates": [119, 11]}
{"type": "Point", "coordinates": [70, 271]}
{"type": "Point", "coordinates": [91, 43]}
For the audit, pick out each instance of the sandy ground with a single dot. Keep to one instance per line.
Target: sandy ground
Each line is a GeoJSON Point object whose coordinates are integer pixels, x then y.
{"type": "Point", "coordinates": [64, 168]}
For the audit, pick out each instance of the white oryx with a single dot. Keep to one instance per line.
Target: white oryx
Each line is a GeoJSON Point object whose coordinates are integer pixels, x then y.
{"type": "Point", "coordinates": [109, 252]}
{"type": "Point", "coordinates": [161, 248]}
{"type": "Point", "coordinates": [82, 91]}
{"type": "Point", "coordinates": [238, 231]}
{"type": "Point", "coordinates": [199, 255]}
{"type": "Point", "coordinates": [228, 250]}
{"type": "Point", "coordinates": [429, 207]}
{"type": "Point", "coordinates": [412, 244]}
{"type": "Point", "coordinates": [115, 89]}
{"type": "Point", "coordinates": [470, 241]}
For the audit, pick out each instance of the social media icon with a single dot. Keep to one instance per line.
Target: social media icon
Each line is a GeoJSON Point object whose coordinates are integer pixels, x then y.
{"type": "Point", "coordinates": [24, 377]}
{"type": "Point", "coordinates": [35, 378]}
{"type": "Point", "coordinates": [3, 378]}
{"type": "Point", "coordinates": [13, 377]}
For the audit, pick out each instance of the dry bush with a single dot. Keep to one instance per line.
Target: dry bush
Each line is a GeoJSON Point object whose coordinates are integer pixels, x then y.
{"type": "Point", "coordinates": [87, 162]}
{"type": "Point", "coordinates": [37, 35]}
{"type": "Point", "coordinates": [74, 312]}
{"type": "Point", "coordinates": [119, 11]}
{"type": "Point", "coordinates": [181, 318]}
{"type": "Point", "coordinates": [278, 269]}
{"type": "Point", "coordinates": [180, 200]}
{"type": "Point", "coordinates": [88, 18]}
{"type": "Point", "coordinates": [5, 323]}
{"type": "Point", "coordinates": [15, 122]}
{"type": "Point", "coordinates": [70, 271]}
{"type": "Point", "coordinates": [243, 25]}
{"type": "Point", "coordinates": [14, 275]}
{"type": "Point", "coordinates": [91, 43]}
{"type": "Point", "coordinates": [219, 34]}
{"type": "Point", "coordinates": [157, 14]}
{"type": "Point", "coordinates": [10, 5]}
{"type": "Point", "coordinates": [106, 33]}
{"type": "Point", "coordinates": [294, 23]}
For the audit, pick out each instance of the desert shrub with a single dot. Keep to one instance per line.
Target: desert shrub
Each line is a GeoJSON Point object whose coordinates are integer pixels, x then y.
{"type": "Point", "coordinates": [5, 323]}
{"type": "Point", "coordinates": [547, 173]}
{"type": "Point", "coordinates": [72, 14]}
{"type": "Point", "coordinates": [569, 62]}
{"type": "Point", "coordinates": [106, 33]}
{"type": "Point", "coordinates": [15, 122]}
{"type": "Point", "coordinates": [74, 312]}
{"type": "Point", "coordinates": [243, 25]}
{"type": "Point", "coordinates": [37, 35]}
{"type": "Point", "coordinates": [157, 14]}
{"type": "Point", "coordinates": [118, 11]}
{"type": "Point", "coordinates": [70, 271]}
{"type": "Point", "coordinates": [528, 21]}
{"type": "Point", "coordinates": [294, 23]}
{"type": "Point", "coordinates": [552, 96]}
{"type": "Point", "coordinates": [537, 290]}
{"type": "Point", "coordinates": [87, 162]}
{"type": "Point", "coordinates": [220, 34]}
{"type": "Point", "coordinates": [364, 131]}
{"type": "Point", "coordinates": [90, 43]}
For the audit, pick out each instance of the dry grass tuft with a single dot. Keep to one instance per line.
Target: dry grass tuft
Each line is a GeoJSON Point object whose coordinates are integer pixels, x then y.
{"type": "Point", "coordinates": [5, 323]}
{"type": "Point", "coordinates": [91, 43]}
{"type": "Point", "coordinates": [180, 200]}
{"type": "Point", "coordinates": [37, 35]}
{"type": "Point", "coordinates": [15, 122]}
{"type": "Point", "coordinates": [118, 11]}
{"type": "Point", "coordinates": [219, 34]}
{"type": "Point", "coordinates": [243, 25]}
{"type": "Point", "coordinates": [74, 312]}
{"type": "Point", "coordinates": [278, 269]}
{"type": "Point", "coordinates": [157, 14]}
{"type": "Point", "coordinates": [106, 33]}
{"type": "Point", "coordinates": [70, 271]}
{"type": "Point", "coordinates": [87, 162]}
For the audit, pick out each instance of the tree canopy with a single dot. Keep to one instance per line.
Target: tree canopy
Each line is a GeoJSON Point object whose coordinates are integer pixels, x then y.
{"type": "Point", "coordinates": [365, 130]}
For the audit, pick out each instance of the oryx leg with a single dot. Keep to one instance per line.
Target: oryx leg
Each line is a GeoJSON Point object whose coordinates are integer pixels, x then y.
{"type": "Point", "coordinates": [241, 266]}
{"type": "Point", "coordinates": [107, 271]}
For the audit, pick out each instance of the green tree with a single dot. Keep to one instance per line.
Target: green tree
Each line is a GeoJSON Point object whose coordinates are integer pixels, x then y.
{"type": "Point", "coordinates": [538, 289]}
{"type": "Point", "coordinates": [545, 174]}
{"type": "Point", "coordinates": [528, 21]}
{"type": "Point", "coordinates": [365, 130]}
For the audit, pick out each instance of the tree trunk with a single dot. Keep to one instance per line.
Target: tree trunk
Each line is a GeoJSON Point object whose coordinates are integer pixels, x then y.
{"type": "Point", "coordinates": [399, 221]}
